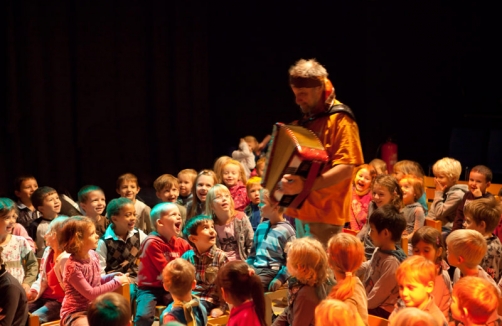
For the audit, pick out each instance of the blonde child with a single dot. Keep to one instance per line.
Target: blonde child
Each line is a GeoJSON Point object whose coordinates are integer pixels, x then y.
{"type": "Point", "coordinates": [242, 289]}
{"type": "Point", "coordinates": [218, 165]}
{"type": "Point", "coordinates": [361, 196]}
{"type": "Point", "coordinates": [110, 309]}
{"type": "Point", "coordinates": [204, 181]}
{"type": "Point", "coordinates": [235, 233]}
{"type": "Point", "coordinates": [24, 187]}
{"type": "Point", "coordinates": [260, 167]}
{"type": "Point", "coordinates": [345, 256]}
{"type": "Point", "coordinates": [336, 313]}
{"type": "Point", "coordinates": [167, 189]}
{"type": "Point", "coordinates": [413, 317]}
{"type": "Point", "coordinates": [415, 277]}
{"type": "Point", "coordinates": [428, 243]}
{"type": "Point", "coordinates": [128, 187]}
{"type": "Point", "coordinates": [483, 215]}
{"type": "Point", "coordinates": [379, 165]}
{"type": "Point", "coordinates": [234, 177]}
{"type": "Point", "coordinates": [93, 203]}
{"type": "Point", "coordinates": [412, 211]}
{"type": "Point", "coordinates": [448, 194]}
{"type": "Point", "coordinates": [19, 259]}
{"type": "Point", "coordinates": [245, 156]}
{"type": "Point", "coordinates": [252, 211]}
{"type": "Point", "coordinates": [82, 278]}
{"type": "Point", "coordinates": [406, 167]}
{"type": "Point", "coordinates": [257, 148]}
{"type": "Point", "coordinates": [474, 302]}
{"type": "Point", "coordinates": [186, 179]}
{"type": "Point", "coordinates": [308, 266]}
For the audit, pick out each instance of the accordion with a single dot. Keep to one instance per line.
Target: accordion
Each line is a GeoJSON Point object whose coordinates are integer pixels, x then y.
{"type": "Point", "coordinates": [294, 150]}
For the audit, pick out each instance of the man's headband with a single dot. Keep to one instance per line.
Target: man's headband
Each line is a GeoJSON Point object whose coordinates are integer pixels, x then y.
{"type": "Point", "coordinates": [305, 82]}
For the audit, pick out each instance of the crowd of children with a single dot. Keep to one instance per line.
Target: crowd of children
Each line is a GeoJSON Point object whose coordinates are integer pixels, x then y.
{"type": "Point", "coordinates": [217, 242]}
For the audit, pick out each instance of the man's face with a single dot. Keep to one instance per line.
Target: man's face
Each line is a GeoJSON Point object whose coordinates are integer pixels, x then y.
{"type": "Point", "coordinates": [307, 98]}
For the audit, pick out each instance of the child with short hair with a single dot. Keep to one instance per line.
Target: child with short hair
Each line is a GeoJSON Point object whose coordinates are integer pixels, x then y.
{"type": "Point", "coordinates": [474, 302]}
{"type": "Point", "coordinates": [218, 165]}
{"type": "Point", "coordinates": [480, 178]}
{"type": "Point", "coordinates": [361, 196]}
{"type": "Point", "coordinates": [186, 179]}
{"type": "Point", "coordinates": [483, 215]}
{"type": "Point", "coordinates": [82, 279]}
{"type": "Point", "coordinates": [167, 189]}
{"type": "Point", "coordinates": [413, 317]}
{"type": "Point", "coordinates": [379, 165]}
{"type": "Point", "coordinates": [207, 259]}
{"type": "Point", "coordinates": [271, 239]}
{"type": "Point", "coordinates": [260, 167]}
{"type": "Point", "coordinates": [336, 313]}
{"type": "Point", "coordinates": [160, 247]}
{"type": "Point", "coordinates": [378, 274]}
{"type": "Point", "coordinates": [415, 277]}
{"type": "Point", "coordinates": [46, 201]}
{"type": "Point", "coordinates": [127, 186]}
{"type": "Point", "coordinates": [234, 178]}
{"type": "Point", "coordinates": [93, 203]}
{"type": "Point", "coordinates": [412, 211]}
{"type": "Point", "coordinates": [13, 303]}
{"type": "Point", "coordinates": [345, 256]}
{"type": "Point", "coordinates": [241, 288]}
{"type": "Point", "coordinates": [308, 266]}
{"type": "Point", "coordinates": [110, 309]}
{"type": "Point", "coordinates": [407, 167]}
{"type": "Point", "coordinates": [24, 187]}
{"type": "Point", "coordinates": [179, 279]}
{"type": "Point", "coordinates": [235, 233]}
{"type": "Point", "coordinates": [245, 156]}
{"type": "Point", "coordinates": [252, 211]}
{"type": "Point", "coordinates": [205, 180]}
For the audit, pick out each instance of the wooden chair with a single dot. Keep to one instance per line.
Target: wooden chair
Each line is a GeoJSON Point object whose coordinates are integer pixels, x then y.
{"type": "Point", "coordinates": [269, 302]}
{"type": "Point", "coordinates": [377, 321]}
{"type": "Point", "coordinates": [429, 182]}
{"type": "Point", "coordinates": [33, 320]}
{"type": "Point", "coordinates": [429, 194]}
{"type": "Point", "coordinates": [433, 223]}
{"type": "Point", "coordinates": [218, 321]}
{"type": "Point", "coordinates": [52, 323]}
{"type": "Point", "coordinates": [125, 291]}
{"type": "Point", "coordinates": [404, 244]}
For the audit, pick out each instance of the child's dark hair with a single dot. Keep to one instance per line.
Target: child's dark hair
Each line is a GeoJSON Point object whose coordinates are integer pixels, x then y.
{"type": "Point", "coordinates": [388, 217]}
{"type": "Point", "coordinates": [431, 236]}
{"type": "Point", "coordinates": [109, 309]}
{"type": "Point", "coordinates": [392, 185]}
{"type": "Point", "coordinates": [84, 192]}
{"type": "Point", "coordinates": [239, 281]}
{"type": "Point", "coordinates": [115, 205]}
{"type": "Point", "coordinates": [193, 223]}
{"type": "Point", "coordinates": [6, 205]}
{"type": "Point", "coordinates": [20, 179]}
{"type": "Point", "coordinates": [484, 170]}
{"type": "Point", "coordinates": [486, 210]}
{"type": "Point", "coordinates": [37, 198]}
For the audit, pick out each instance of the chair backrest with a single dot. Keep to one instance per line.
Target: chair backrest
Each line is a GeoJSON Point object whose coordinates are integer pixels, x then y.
{"type": "Point", "coordinates": [33, 320]}
{"type": "Point", "coordinates": [218, 321]}
{"type": "Point", "coordinates": [269, 298]}
{"type": "Point", "coordinates": [377, 321]}
{"type": "Point", "coordinates": [404, 244]}
{"type": "Point", "coordinates": [433, 223]}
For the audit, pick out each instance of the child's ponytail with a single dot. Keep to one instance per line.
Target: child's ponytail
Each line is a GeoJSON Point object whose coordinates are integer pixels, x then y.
{"type": "Point", "coordinates": [258, 297]}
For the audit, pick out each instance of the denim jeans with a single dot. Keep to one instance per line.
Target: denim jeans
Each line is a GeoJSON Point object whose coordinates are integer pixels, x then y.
{"type": "Point", "coordinates": [46, 309]}
{"type": "Point", "coordinates": [146, 300]}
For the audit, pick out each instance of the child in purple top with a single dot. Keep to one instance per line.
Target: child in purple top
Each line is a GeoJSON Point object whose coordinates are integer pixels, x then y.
{"type": "Point", "coordinates": [82, 274]}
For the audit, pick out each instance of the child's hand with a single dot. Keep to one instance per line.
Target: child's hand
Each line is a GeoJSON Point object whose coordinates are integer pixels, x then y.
{"type": "Point", "coordinates": [123, 279]}
{"type": "Point", "coordinates": [26, 288]}
{"type": "Point", "coordinates": [477, 192]}
{"type": "Point", "coordinates": [216, 312]}
{"type": "Point", "coordinates": [439, 187]}
{"type": "Point", "coordinates": [274, 285]}
{"type": "Point", "coordinates": [31, 295]}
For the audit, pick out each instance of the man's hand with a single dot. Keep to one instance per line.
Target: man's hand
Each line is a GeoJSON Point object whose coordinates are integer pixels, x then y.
{"type": "Point", "coordinates": [292, 184]}
{"type": "Point", "coordinates": [274, 285]}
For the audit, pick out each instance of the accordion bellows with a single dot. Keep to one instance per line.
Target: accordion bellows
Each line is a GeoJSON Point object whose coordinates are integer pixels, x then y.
{"type": "Point", "coordinates": [294, 150]}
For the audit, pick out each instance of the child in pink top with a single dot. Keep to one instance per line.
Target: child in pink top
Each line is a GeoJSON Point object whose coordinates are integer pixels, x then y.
{"type": "Point", "coordinates": [234, 177]}
{"type": "Point", "coordinates": [82, 278]}
{"type": "Point", "coordinates": [361, 196]}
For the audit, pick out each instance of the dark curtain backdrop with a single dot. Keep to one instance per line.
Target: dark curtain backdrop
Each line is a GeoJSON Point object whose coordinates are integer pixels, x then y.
{"type": "Point", "coordinates": [97, 89]}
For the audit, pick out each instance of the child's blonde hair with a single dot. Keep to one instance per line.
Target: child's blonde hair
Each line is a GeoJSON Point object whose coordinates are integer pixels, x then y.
{"type": "Point", "coordinates": [486, 210]}
{"type": "Point", "coordinates": [334, 313]}
{"type": "Point", "coordinates": [126, 177]}
{"type": "Point", "coordinates": [157, 211]}
{"type": "Point", "coordinates": [218, 165]}
{"type": "Point", "coordinates": [178, 277]}
{"type": "Point", "coordinates": [416, 268]}
{"type": "Point", "coordinates": [416, 184]}
{"type": "Point", "coordinates": [409, 167]}
{"type": "Point", "coordinates": [252, 181]}
{"type": "Point", "coordinates": [218, 190]}
{"type": "Point", "coordinates": [469, 244]}
{"type": "Point", "coordinates": [252, 139]}
{"type": "Point", "coordinates": [56, 225]}
{"type": "Point", "coordinates": [411, 316]}
{"type": "Point", "coordinates": [190, 172]}
{"type": "Point", "coordinates": [379, 165]}
{"type": "Point", "coordinates": [392, 185]}
{"type": "Point", "coordinates": [478, 296]}
{"type": "Point", "coordinates": [310, 260]}
{"type": "Point", "coordinates": [449, 167]}
{"type": "Point", "coordinates": [71, 237]}
{"type": "Point", "coordinates": [345, 256]}
{"type": "Point", "coordinates": [165, 180]}
{"type": "Point", "coordinates": [242, 173]}
{"type": "Point", "coordinates": [110, 309]}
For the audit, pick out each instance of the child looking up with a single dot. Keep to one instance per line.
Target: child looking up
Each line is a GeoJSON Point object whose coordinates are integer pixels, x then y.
{"type": "Point", "coordinates": [361, 196]}
{"type": "Point", "coordinates": [308, 265]}
{"type": "Point", "coordinates": [93, 203]}
{"type": "Point", "coordinates": [415, 277]}
{"type": "Point", "coordinates": [412, 211]}
{"type": "Point", "coordinates": [252, 211]}
{"type": "Point", "coordinates": [46, 201]}
{"type": "Point", "coordinates": [110, 309]}
{"type": "Point", "coordinates": [205, 180]}
{"type": "Point", "coordinates": [241, 288]}
{"type": "Point", "coordinates": [268, 252]}
{"type": "Point", "coordinates": [234, 177]}
{"type": "Point", "coordinates": [207, 259]}
{"type": "Point", "coordinates": [245, 156]}
{"type": "Point", "coordinates": [167, 190]}
{"type": "Point", "coordinates": [378, 274]}
{"type": "Point", "coordinates": [345, 256]}
{"type": "Point", "coordinates": [186, 179]}
{"type": "Point", "coordinates": [235, 233]}
{"type": "Point", "coordinates": [24, 187]}
{"type": "Point", "coordinates": [82, 279]}
{"type": "Point", "coordinates": [127, 186]}
{"type": "Point", "coordinates": [160, 247]}
{"type": "Point", "coordinates": [483, 215]}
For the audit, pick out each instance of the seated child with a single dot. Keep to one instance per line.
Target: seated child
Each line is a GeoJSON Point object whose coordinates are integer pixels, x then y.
{"type": "Point", "coordinates": [109, 309]}
{"type": "Point", "coordinates": [308, 266]}
{"type": "Point", "coordinates": [19, 230]}
{"type": "Point", "coordinates": [260, 167]}
{"type": "Point", "coordinates": [46, 294]}
{"type": "Point", "coordinates": [167, 189]}
{"type": "Point", "coordinates": [415, 277]}
{"type": "Point", "coordinates": [378, 274]}
{"type": "Point", "coordinates": [413, 317]}
{"type": "Point", "coordinates": [24, 187]}
{"type": "Point", "coordinates": [379, 165]}
{"type": "Point", "coordinates": [480, 178]}
{"type": "Point", "coordinates": [245, 156]}
{"type": "Point", "coordinates": [475, 302]}
{"type": "Point", "coordinates": [93, 203]}
{"type": "Point", "coordinates": [205, 180]}
{"type": "Point", "coordinates": [46, 201]}
{"type": "Point", "coordinates": [483, 215]}
{"type": "Point", "coordinates": [334, 312]}
{"type": "Point", "coordinates": [234, 178]}
{"type": "Point", "coordinates": [412, 211]}
{"type": "Point", "coordinates": [13, 303]}
{"type": "Point", "coordinates": [406, 167]}
{"type": "Point", "coordinates": [268, 252]}
{"type": "Point", "coordinates": [207, 259]}
{"type": "Point", "coordinates": [179, 279]}
{"type": "Point", "coordinates": [160, 247]}
{"type": "Point", "coordinates": [361, 196]}
{"type": "Point", "coordinates": [127, 186]}
{"type": "Point", "coordinates": [186, 179]}
{"type": "Point", "coordinates": [448, 194]}
{"type": "Point", "coordinates": [252, 211]}
{"type": "Point", "coordinates": [241, 288]}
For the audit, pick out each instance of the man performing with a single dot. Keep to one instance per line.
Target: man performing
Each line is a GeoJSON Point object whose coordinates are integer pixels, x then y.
{"type": "Point", "coordinates": [326, 209]}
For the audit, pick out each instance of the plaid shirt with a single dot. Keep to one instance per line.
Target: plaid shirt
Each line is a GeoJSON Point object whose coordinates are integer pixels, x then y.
{"type": "Point", "coordinates": [206, 270]}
